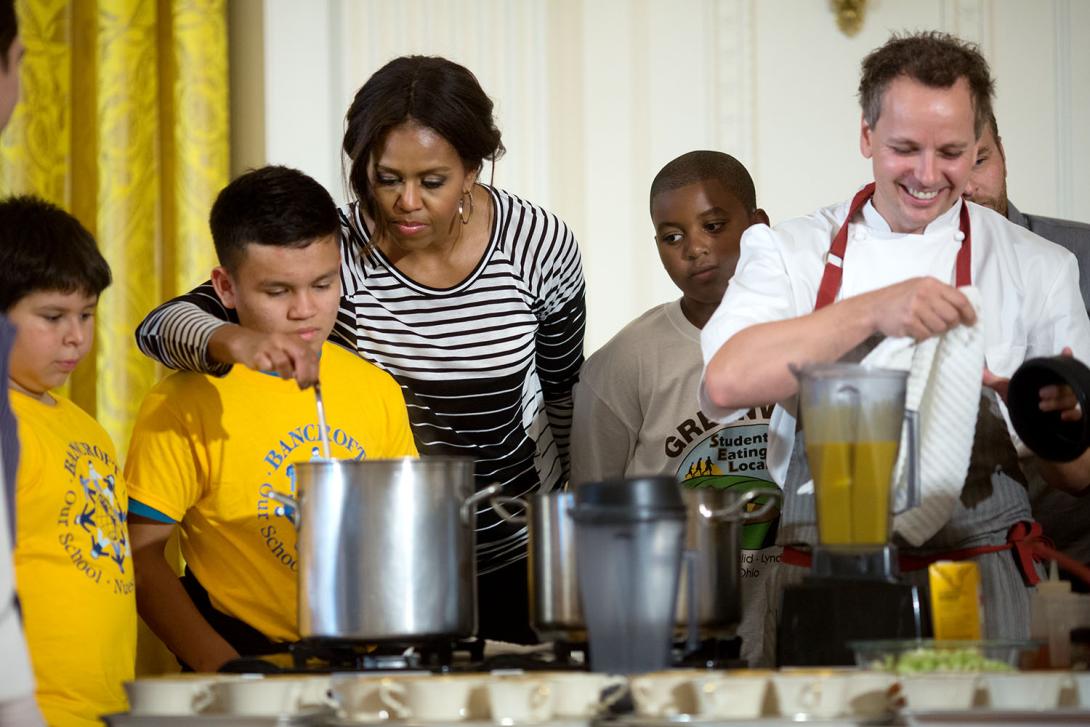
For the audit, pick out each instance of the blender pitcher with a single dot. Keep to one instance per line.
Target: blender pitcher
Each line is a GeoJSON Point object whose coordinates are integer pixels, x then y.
{"type": "Point", "coordinates": [852, 416]}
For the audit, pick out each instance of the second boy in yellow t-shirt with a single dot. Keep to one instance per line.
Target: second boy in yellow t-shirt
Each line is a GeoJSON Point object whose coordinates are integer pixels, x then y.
{"type": "Point", "coordinates": [206, 451]}
{"type": "Point", "coordinates": [73, 566]}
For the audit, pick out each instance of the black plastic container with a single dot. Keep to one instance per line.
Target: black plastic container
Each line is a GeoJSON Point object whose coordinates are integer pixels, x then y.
{"type": "Point", "coordinates": [629, 536]}
{"type": "Point", "coordinates": [1045, 432]}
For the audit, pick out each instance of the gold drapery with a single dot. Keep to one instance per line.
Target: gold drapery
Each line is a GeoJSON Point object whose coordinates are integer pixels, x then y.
{"type": "Point", "coordinates": [123, 122]}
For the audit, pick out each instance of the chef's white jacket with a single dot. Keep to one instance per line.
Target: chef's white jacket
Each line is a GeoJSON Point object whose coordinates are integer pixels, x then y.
{"type": "Point", "coordinates": [1029, 289]}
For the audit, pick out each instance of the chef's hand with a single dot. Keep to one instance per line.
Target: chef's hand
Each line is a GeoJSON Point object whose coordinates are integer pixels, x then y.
{"type": "Point", "coordinates": [1053, 398]}
{"type": "Point", "coordinates": [1061, 398]}
{"type": "Point", "coordinates": [288, 356]}
{"type": "Point", "coordinates": [920, 308]}
{"type": "Point", "coordinates": [998, 384]}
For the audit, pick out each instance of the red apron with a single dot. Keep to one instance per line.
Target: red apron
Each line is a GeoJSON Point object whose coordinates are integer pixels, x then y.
{"type": "Point", "coordinates": [1025, 538]}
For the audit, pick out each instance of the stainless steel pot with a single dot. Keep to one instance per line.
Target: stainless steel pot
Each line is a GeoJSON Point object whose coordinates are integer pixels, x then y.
{"type": "Point", "coordinates": [713, 554]}
{"type": "Point", "coordinates": [554, 589]}
{"type": "Point", "coordinates": [713, 545]}
{"type": "Point", "coordinates": [386, 548]}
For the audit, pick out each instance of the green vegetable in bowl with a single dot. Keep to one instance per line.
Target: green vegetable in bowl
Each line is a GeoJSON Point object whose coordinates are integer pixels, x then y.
{"type": "Point", "coordinates": [922, 661]}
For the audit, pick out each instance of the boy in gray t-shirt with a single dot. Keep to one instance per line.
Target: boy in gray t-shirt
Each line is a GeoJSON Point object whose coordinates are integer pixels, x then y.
{"type": "Point", "coordinates": [636, 409]}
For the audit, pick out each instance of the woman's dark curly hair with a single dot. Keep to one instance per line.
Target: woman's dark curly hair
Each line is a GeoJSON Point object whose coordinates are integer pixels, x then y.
{"type": "Point", "coordinates": [432, 91]}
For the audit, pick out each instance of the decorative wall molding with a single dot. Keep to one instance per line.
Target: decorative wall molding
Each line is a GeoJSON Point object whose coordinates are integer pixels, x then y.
{"type": "Point", "coordinates": [503, 43]}
{"type": "Point", "coordinates": [969, 20]}
{"type": "Point", "coordinates": [1065, 168]}
{"type": "Point", "coordinates": [735, 67]}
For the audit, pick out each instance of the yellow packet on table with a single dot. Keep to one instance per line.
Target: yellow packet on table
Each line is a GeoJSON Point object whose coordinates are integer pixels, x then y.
{"type": "Point", "coordinates": [955, 600]}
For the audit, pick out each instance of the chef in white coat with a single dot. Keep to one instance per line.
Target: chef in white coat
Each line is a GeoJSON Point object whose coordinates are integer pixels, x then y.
{"type": "Point", "coordinates": [888, 264]}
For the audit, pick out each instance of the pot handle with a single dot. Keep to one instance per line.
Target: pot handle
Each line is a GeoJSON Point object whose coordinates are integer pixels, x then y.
{"type": "Point", "coordinates": [467, 506]}
{"type": "Point", "coordinates": [737, 509]}
{"type": "Point", "coordinates": [287, 501]}
{"type": "Point", "coordinates": [498, 503]}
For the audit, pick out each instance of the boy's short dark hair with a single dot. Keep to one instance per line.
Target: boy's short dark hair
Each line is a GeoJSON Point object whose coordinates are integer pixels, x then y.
{"type": "Point", "coordinates": [42, 247]}
{"type": "Point", "coordinates": [698, 166]}
{"type": "Point", "coordinates": [9, 28]}
{"type": "Point", "coordinates": [272, 205]}
{"type": "Point", "coordinates": [933, 58]}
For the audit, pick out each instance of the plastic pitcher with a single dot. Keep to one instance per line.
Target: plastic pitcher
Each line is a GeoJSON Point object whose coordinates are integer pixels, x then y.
{"type": "Point", "coordinates": [629, 537]}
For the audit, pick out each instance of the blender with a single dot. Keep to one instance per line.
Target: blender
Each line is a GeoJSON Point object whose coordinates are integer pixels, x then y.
{"type": "Point", "coordinates": [852, 417]}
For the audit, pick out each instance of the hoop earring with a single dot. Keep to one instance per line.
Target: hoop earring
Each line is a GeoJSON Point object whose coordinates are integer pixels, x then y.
{"type": "Point", "coordinates": [462, 215]}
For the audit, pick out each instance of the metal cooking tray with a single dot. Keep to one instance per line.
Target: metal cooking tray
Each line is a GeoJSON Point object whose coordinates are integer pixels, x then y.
{"type": "Point", "coordinates": [698, 721]}
{"type": "Point", "coordinates": [559, 722]}
{"type": "Point", "coordinates": [303, 718]}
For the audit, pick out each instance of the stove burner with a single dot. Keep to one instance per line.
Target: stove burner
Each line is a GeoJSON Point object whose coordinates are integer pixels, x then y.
{"type": "Point", "coordinates": [711, 654]}
{"type": "Point", "coordinates": [343, 655]}
{"type": "Point", "coordinates": [322, 656]}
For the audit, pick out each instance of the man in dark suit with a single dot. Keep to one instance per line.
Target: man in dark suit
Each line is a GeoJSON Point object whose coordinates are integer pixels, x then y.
{"type": "Point", "coordinates": [1065, 518]}
{"type": "Point", "coordinates": [988, 186]}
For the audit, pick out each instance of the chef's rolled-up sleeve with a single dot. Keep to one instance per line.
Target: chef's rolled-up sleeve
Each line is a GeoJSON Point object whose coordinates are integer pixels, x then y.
{"type": "Point", "coordinates": [759, 292]}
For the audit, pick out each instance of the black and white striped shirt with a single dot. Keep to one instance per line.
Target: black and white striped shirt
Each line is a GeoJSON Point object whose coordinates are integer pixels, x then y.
{"type": "Point", "coordinates": [486, 366]}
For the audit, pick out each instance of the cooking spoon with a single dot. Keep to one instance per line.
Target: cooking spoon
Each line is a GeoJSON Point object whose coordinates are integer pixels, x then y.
{"type": "Point", "coordinates": [323, 431]}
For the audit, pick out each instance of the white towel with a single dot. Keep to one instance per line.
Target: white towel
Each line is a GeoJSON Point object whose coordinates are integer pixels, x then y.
{"type": "Point", "coordinates": [944, 388]}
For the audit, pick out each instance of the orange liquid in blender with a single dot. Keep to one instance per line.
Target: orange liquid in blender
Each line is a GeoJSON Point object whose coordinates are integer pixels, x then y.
{"type": "Point", "coordinates": [852, 487]}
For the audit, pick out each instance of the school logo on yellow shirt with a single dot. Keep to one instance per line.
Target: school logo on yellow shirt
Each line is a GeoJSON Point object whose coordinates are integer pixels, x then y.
{"type": "Point", "coordinates": [277, 520]}
{"type": "Point", "coordinates": [92, 520]}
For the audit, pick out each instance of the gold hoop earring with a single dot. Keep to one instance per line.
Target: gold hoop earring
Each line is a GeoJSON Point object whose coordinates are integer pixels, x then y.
{"type": "Point", "coordinates": [462, 215]}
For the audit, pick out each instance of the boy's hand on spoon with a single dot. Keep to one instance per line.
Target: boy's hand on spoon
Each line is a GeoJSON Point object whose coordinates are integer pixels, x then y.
{"type": "Point", "coordinates": [286, 355]}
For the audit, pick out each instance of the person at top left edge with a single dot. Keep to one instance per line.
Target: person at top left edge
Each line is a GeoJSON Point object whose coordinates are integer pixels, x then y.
{"type": "Point", "coordinates": [17, 705]}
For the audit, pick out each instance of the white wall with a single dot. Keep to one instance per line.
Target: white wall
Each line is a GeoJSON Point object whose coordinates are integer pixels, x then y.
{"type": "Point", "coordinates": [594, 96]}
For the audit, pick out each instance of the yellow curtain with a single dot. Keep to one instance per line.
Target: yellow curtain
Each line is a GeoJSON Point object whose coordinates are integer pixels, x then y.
{"type": "Point", "coordinates": [123, 121]}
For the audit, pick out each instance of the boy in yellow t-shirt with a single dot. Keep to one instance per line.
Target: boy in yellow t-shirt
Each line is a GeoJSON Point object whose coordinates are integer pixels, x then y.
{"type": "Point", "coordinates": [207, 451]}
{"type": "Point", "coordinates": [73, 565]}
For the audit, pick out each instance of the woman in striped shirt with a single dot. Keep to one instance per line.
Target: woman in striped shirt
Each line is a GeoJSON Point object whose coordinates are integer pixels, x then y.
{"type": "Point", "coordinates": [472, 298]}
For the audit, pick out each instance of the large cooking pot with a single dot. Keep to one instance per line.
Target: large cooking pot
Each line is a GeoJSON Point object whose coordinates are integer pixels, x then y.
{"type": "Point", "coordinates": [386, 548]}
{"type": "Point", "coordinates": [555, 613]}
{"type": "Point", "coordinates": [713, 547]}
{"type": "Point", "coordinates": [713, 553]}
